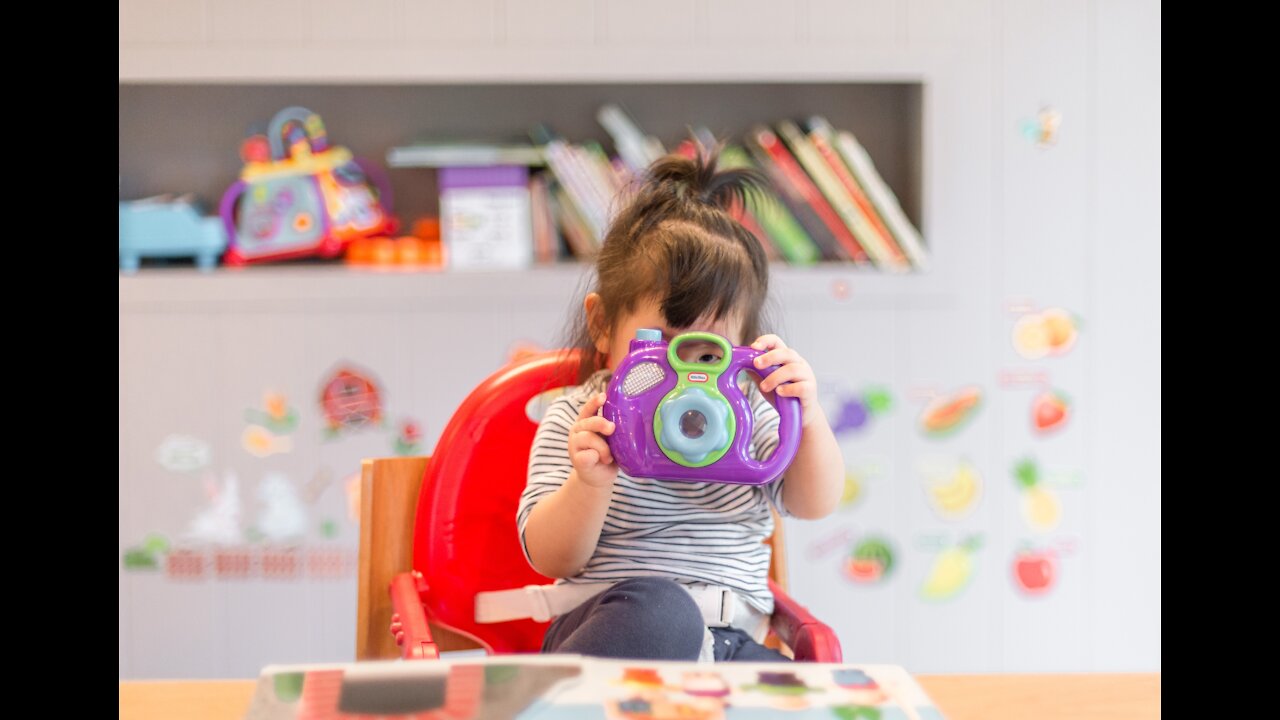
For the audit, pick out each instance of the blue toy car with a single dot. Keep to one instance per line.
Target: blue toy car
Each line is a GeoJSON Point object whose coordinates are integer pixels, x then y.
{"type": "Point", "coordinates": [164, 228]}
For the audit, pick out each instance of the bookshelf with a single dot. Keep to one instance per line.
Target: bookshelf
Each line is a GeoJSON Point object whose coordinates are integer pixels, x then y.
{"type": "Point", "coordinates": [195, 149]}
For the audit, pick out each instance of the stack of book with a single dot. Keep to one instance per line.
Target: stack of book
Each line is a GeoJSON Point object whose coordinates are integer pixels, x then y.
{"type": "Point", "coordinates": [827, 201]}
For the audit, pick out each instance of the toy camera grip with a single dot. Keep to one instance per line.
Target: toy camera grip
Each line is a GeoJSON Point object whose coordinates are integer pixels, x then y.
{"type": "Point", "coordinates": [788, 415]}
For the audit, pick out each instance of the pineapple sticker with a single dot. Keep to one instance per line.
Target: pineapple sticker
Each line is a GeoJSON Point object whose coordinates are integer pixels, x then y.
{"type": "Point", "coordinates": [952, 570]}
{"type": "Point", "coordinates": [1040, 506]}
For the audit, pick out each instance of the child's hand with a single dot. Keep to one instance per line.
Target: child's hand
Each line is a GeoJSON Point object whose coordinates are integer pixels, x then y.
{"type": "Point", "coordinates": [795, 371]}
{"type": "Point", "coordinates": [588, 449]}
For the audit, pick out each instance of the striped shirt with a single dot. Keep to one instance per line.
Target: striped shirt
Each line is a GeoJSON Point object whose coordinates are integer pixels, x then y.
{"type": "Point", "coordinates": [691, 532]}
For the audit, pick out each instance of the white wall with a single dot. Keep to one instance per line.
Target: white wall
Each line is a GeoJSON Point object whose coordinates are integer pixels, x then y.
{"type": "Point", "coordinates": [1076, 226]}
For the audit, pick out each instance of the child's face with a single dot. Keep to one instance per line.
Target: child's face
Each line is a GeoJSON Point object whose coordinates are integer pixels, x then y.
{"type": "Point", "coordinates": [648, 314]}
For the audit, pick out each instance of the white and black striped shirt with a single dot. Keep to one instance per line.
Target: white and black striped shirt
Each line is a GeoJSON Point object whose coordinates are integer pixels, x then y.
{"type": "Point", "coordinates": [691, 532]}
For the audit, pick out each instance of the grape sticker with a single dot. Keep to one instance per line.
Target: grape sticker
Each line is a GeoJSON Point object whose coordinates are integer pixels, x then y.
{"type": "Point", "coordinates": [854, 411]}
{"type": "Point", "coordinates": [1050, 333]}
{"type": "Point", "coordinates": [952, 491]}
{"type": "Point", "coordinates": [952, 570]}
{"type": "Point", "coordinates": [183, 453]}
{"type": "Point", "coordinates": [1040, 506]}
{"type": "Point", "coordinates": [1050, 411]}
{"type": "Point", "coordinates": [870, 561]}
{"type": "Point", "coordinates": [947, 414]}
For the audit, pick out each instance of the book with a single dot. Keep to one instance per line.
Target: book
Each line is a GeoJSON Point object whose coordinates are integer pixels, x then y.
{"type": "Point", "coordinates": [821, 135]}
{"type": "Point", "coordinates": [446, 154]}
{"type": "Point", "coordinates": [637, 150]}
{"type": "Point", "coordinates": [839, 197]}
{"type": "Point", "coordinates": [485, 217]}
{"type": "Point", "coordinates": [546, 238]}
{"type": "Point", "coordinates": [778, 225]}
{"type": "Point", "coordinates": [804, 200]}
{"type": "Point", "coordinates": [740, 212]}
{"type": "Point", "coordinates": [577, 234]}
{"type": "Point", "coordinates": [885, 201]}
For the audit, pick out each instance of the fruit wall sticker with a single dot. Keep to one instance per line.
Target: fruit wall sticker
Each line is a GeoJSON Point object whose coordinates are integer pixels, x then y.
{"type": "Point", "coordinates": [282, 518]}
{"type": "Point", "coordinates": [1049, 333]}
{"type": "Point", "coordinates": [857, 479]}
{"type": "Point", "coordinates": [261, 442]}
{"type": "Point", "coordinates": [275, 414]}
{"type": "Point", "coordinates": [1034, 570]}
{"type": "Point", "coordinates": [870, 560]}
{"type": "Point", "coordinates": [1042, 131]}
{"type": "Point", "coordinates": [952, 570]}
{"type": "Point", "coordinates": [946, 414]}
{"type": "Point", "coordinates": [855, 410]}
{"type": "Point", "coordinates": [952, 490]}
{"type": "Point", "coordinates": [218, 523]}
{"type": "Point", "coordinates": [1040, 506]}
{"type": "Point", "coordinates": [183, 453]}
{"type": "Point", "coordinates": [148, 554]}
{"type": "Point", "coordinates": [350, 400]}
{"type": "Point", "coordinates": [1049, 411]}
{"type": "Point", "coordinates": [409, 439]}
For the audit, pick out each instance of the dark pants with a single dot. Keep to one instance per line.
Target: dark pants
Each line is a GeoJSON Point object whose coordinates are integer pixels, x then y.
{"type": "Point", "coordinates": [647, 619]}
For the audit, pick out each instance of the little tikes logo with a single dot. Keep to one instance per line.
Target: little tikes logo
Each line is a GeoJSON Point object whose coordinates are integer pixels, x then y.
{"type": "Point", "coordinates": [698, 377]}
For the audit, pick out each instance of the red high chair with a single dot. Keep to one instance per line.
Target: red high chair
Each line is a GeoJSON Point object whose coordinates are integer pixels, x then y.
{"type": "Point", "coordinates": [457, 511]}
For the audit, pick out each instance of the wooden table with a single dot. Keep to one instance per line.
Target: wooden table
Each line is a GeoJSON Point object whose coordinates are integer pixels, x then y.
{"type": "Point", "coordinates": [960, 697]}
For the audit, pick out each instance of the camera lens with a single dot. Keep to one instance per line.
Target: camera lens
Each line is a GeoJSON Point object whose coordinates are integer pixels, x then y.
{"type": "Point", "coordinates": [693, 424]}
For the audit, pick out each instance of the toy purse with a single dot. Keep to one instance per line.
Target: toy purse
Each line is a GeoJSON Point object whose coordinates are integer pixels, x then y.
{"type": "Point", "coordinates": [297, 196]}
{"type": "Point", "coordinates": [678, 420]}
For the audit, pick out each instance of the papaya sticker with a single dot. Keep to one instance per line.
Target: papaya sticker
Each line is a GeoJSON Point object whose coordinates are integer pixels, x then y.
{"type": "Point", "coordinates": [183, 453]}
{"type": "Point", "coordinates": [947, 414]}
{"type": "Point", "coordinates": [350, 399]}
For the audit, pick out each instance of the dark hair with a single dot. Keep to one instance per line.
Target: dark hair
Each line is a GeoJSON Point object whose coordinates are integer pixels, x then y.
{"type": "Point", "coordinates": [676, 240]}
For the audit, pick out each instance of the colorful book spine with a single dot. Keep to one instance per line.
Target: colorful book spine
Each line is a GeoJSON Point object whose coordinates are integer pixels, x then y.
{"type": "Point", "coordinates": [806, 200]}
{"type": "Point", "coordinates": [546, 239]}
{"type": "Point", "coordinates": [577, 234]}
{"type": "Point", "coordinates": [839, 198]}
{"type": "Point", "coordinates": [822, 137]}
{"type": "Point", "coordinates": [864, 170]}
{"type": "Point", "coordinates": [778, 225]}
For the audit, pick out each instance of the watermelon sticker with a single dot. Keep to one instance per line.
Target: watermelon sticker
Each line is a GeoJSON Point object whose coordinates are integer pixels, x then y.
{"type": "Point", "coordinates": [947, 414]}
{"type": "Point", "coordinates": [870, 561]}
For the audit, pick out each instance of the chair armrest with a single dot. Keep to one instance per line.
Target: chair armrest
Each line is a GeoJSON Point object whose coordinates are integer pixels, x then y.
{"type": "Point", "coordinates": [409, 620]}
{"type": "Point", "coordinates": [807, 636]}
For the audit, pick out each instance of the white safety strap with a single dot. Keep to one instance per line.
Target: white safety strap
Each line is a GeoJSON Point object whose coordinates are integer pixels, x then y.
{"type": "Point", "coordinates": [720, 606]}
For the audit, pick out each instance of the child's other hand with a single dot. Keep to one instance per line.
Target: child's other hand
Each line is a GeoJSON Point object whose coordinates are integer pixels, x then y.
{"type": "Point", "coordinates": [794, 370]}
{"type": "Point", "coordinates": [588, 449]}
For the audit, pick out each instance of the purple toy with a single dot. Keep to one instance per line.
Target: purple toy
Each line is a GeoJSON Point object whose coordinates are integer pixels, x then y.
{"type": "Point", "coordinates": [678, 420]}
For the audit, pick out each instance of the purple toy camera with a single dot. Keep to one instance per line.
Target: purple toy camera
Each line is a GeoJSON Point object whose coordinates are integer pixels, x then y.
{"type": "Point", "coordinates": [679, 420]}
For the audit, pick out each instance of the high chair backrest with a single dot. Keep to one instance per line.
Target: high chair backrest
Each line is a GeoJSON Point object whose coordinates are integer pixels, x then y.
{"type": "Point", "coordinates": [465, 538]}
